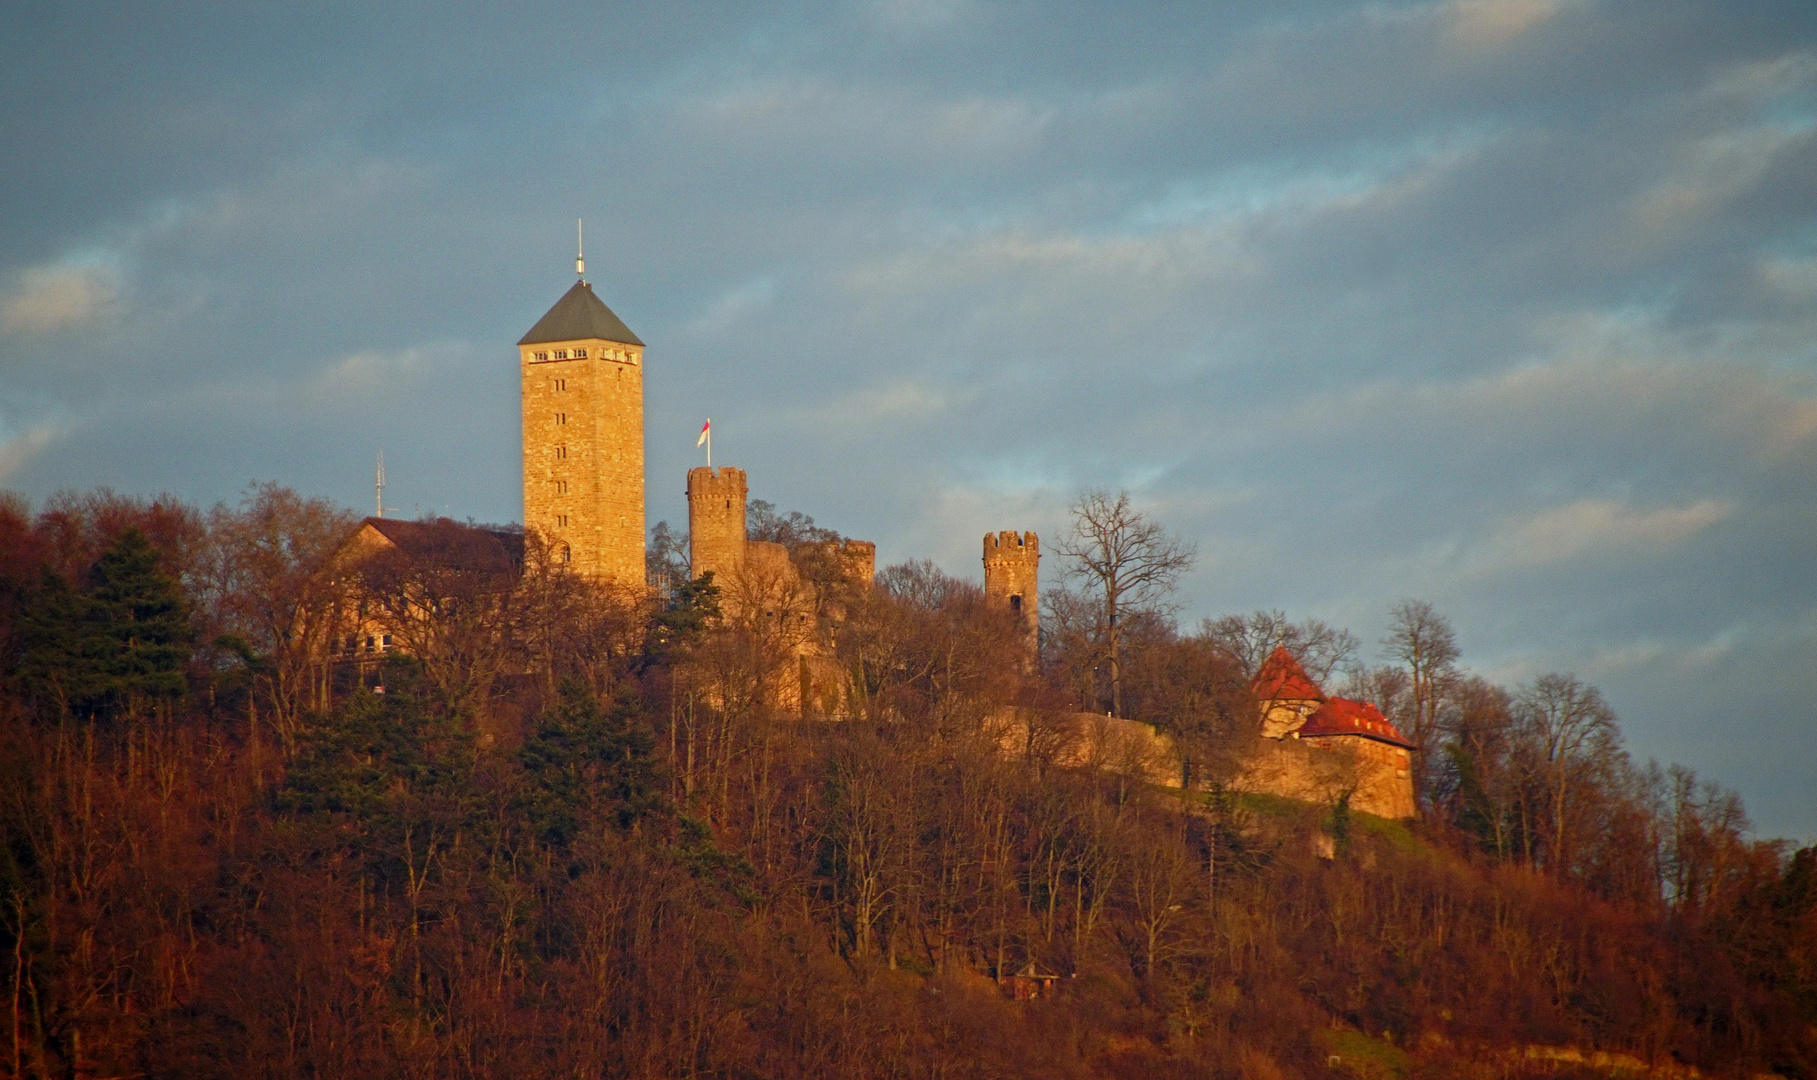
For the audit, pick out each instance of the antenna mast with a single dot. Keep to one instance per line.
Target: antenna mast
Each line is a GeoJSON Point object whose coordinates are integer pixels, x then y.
{"type": "Point", "coordinates": [580, 249]}
{"type": "Point", "coordinates": [378, 487]}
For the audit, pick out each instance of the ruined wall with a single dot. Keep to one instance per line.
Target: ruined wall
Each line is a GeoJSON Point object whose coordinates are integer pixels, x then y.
{"type": "Point", "coordinates": [583, 413]}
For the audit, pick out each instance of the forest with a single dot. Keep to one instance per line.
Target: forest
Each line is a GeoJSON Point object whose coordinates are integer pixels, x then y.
{"type": "Point", "coordinates": [562, 830]}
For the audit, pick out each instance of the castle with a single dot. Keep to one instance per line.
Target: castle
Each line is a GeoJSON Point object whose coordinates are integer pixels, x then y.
{"type": "Point", "coordinates": [581, 370]}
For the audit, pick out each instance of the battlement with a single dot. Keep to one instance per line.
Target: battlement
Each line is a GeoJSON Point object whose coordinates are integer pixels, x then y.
{"type": "Point", "coordinates": [727, 480]}
{"type": "Point", "coordinates": [1011, 546]}
{"type": "Point", "coordinates": [857, 558]}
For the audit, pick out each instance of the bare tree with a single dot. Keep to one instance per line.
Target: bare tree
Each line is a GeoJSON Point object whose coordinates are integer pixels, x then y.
{"type": "Point", "coordinates": [1321, 648]}
{"type": "Point", "coordinates": [1129, 560]}
{"type": "Point", "coordinates": [1422, 639]}
{"type": "Point", "coordinates": [261, 579]}
{"type": "Point", "coordinates": [1570, 731]}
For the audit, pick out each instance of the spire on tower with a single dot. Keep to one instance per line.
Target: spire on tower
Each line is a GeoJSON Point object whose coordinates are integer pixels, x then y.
{"type": "Point", "coordinates": [580, 250]}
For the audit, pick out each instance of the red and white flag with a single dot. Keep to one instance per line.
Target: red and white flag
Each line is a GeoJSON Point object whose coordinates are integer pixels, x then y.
{"type": "Point", "coordinates": [704, 429]}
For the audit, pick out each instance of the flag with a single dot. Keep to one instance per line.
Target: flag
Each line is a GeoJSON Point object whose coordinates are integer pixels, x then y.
{"type": "Point", "coordinates": [704, 428]}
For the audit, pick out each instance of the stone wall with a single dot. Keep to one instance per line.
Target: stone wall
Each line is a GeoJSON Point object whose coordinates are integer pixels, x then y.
{"type": "Point", "coordinates": [1012, 577]}
{"type": "Point", "coordinates": [584, 453]}
{"type": "Point", "coordinates": [716, 522]}
{"type": "Point", "coordinates": [1320, 770]}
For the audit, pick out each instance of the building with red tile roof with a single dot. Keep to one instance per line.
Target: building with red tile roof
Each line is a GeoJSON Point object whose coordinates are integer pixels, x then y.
{"type": "Point", "coordinates": [1318, 748]}
{"type": "Point", "coordinates": [1341, 716]}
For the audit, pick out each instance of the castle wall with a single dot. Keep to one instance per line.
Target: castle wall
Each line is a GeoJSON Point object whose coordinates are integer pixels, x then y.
{"type": "Point", "coordinates": [584, 453]}
{"type": "Point", "coordinates": [1319, 770]}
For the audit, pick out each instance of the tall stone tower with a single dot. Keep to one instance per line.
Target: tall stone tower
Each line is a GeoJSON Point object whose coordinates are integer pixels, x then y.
{"type": "Point", "coordinates": [583, 382]}
{"type": "Point", "coordinates": [716, 522]}
{"type": "Point", "coordinates": [1012, 578]}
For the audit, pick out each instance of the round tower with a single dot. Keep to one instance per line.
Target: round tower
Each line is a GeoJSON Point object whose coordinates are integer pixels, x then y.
{"type": "Point", "coordinates": [1012, 577]}
{"type": "Point", "coordinates": [716, 521]}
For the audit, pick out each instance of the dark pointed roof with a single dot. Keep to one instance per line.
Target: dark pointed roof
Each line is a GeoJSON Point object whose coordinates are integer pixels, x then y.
{"type": "Point", "coordinates": [579, 315]}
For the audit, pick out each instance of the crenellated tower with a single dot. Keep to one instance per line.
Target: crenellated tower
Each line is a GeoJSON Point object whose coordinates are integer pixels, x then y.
{"type": "Point", "coordinates": [583, 401]}
{"type": "Point", "coordinates": [1012, 577]}
{"type": "Point", "coordinates": [716, 522]}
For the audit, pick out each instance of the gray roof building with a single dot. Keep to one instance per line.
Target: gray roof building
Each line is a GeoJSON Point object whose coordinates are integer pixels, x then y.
{"type": "Point", "coordinates": [579, 315]}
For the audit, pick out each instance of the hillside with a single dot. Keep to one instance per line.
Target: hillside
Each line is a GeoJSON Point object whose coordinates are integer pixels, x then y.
{"type": "Point", "coordinates": [579, 841]}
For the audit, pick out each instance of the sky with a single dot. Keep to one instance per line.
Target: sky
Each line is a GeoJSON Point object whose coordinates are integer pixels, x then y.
{"type": "Point", "coordinates": [1507, 305]}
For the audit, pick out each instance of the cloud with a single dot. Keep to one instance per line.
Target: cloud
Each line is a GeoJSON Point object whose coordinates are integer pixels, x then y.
{"type": "Point", "coordinates": [1597, 527]}
{"type": "Point", "coordinates": [46, 299]}
{"type": "Point", "coordinates": [19, 447]}
{"type": "Point", "coordinates": [1484, 23]}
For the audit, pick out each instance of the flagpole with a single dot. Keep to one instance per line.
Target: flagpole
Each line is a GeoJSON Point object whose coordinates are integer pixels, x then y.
{"type": "Point", "coordinates": [709, 444]}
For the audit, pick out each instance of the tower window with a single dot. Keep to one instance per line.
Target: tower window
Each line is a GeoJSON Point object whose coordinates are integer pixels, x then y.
{"type": "Point", "coordinates": [561, 452]}
{"type": "Point", "coordinates": [580, 354]}
{"type": "Point", "coordinates": [561, 385]}
{"type": "Point", "coordinates": [561, 354]}
{"type": "Point", "coordinates": [561, 417]}
{"type": "Point", "coordinates": [561, 487]}
{"type": "Point", "coordinates": [567, 556]}
{"type": "Point", "coordinates": [1015, 604]}
{"type": "Point", "coordinates": [561, 521]}
{"type": "Point", "coordinates": [537, 358]}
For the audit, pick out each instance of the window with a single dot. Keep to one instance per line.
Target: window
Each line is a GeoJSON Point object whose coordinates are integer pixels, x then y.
{"type": "Point", "coordinates": [537, 358]}
{"type": "Point", "coordinates": [561, 354]}
{"type": "Point", "coordinates": [567, 556]}
{"type": "Point", "coordinates": [580, 354]}
{"type": "Point", "coordinates": [368, 642]}
{"type": "Point", "coordinates": [1015, 604]}
{"type": "Point", "coordinates": [385, 643]}
{"type": "Point", "coordinates": [561, 385]}
{"type": "Point", "coordinates": [561, 453]}
{"type": "Point", "coordinates": [561, 521]}
{"type": "Point", "coordinates": [561, 487]}
{"type": "Point", "coordinates": [561, 417]}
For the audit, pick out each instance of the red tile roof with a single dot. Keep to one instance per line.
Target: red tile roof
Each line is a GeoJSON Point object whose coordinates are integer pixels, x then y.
{"type": "Point", "coordinates": [1283, 679]}
{"type": "Point", "coordinates": [1341, 716]}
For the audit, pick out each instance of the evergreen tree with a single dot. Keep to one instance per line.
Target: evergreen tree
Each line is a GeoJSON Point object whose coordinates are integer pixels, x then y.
{"type": "Point", "coordinates": [584, 764]}
{"type": "Point", "coordinates": [144, 623]}
{"type": "Point", "coordinates": [63, 648]}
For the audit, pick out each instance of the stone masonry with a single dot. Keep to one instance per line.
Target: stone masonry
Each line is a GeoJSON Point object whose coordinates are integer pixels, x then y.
{"type": "Point", "coordinates": [583, 397]}
{"type": "Point", "coordinates": [716, 522]}
{"type": "Point", "coordinates": [1012, 578]}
